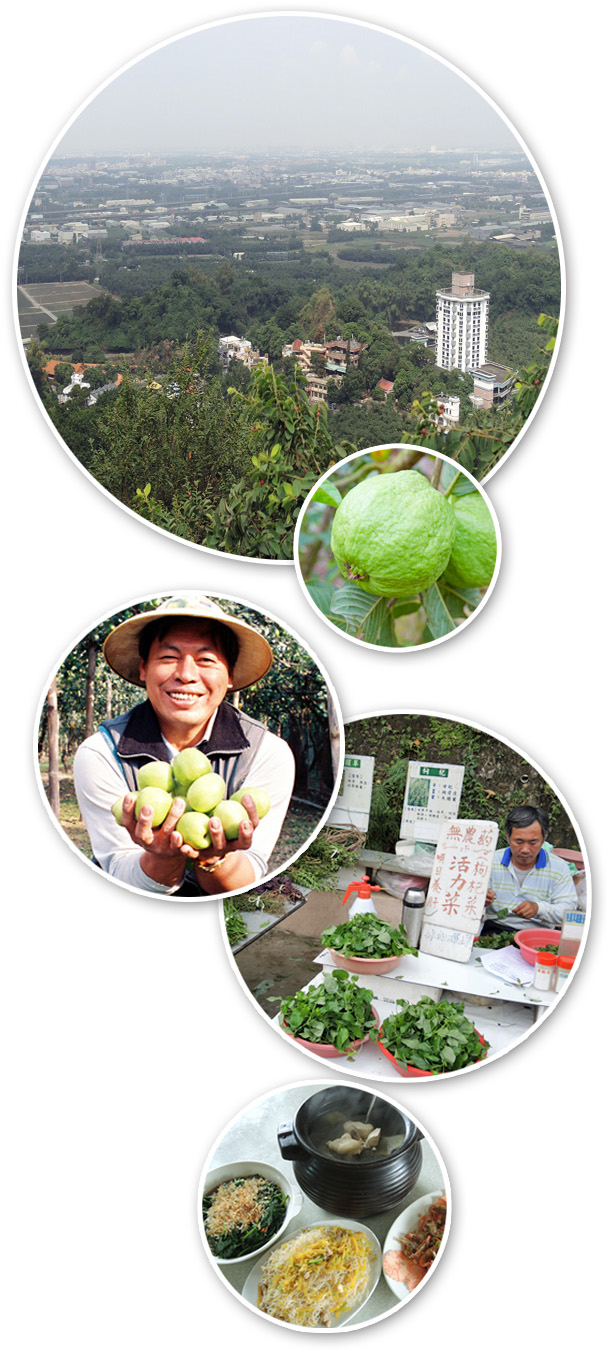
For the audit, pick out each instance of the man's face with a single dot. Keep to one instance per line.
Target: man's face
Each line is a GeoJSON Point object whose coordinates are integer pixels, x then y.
{"type": "Point", "coordinates": [525, 844]}
{"type": "Point", "coordinates": [186, 678]}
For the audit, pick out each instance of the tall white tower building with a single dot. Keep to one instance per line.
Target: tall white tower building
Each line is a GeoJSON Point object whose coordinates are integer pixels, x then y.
{"type": "Point", "coordinates": [462, 324]}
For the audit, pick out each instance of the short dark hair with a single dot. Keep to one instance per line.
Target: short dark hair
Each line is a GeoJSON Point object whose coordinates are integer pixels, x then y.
{"type": "Point", "coordinates": [523, 816]}
{"type": "Point", "coordinates": [223, 637]}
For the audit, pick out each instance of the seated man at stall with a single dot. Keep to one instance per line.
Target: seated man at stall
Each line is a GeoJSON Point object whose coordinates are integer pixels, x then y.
{"type": "Point", "coordinates": [187, 654]}
{"type": "Point", "coordinates": [527, 879]}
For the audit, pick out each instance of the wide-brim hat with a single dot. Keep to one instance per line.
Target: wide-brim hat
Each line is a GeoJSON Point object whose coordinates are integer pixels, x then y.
{"type": "Point", "coordinates": [121, 647]}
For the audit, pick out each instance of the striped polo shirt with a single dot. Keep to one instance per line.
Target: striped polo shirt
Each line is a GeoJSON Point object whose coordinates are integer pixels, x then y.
{"type": "Point", "coordinates": [548, 884]}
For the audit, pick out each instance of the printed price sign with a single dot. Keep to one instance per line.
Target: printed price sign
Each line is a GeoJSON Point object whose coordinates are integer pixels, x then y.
{"type": "Point", "coordinates": [354, 798]}
{"type": "Point", "coordinates": [432, 795]}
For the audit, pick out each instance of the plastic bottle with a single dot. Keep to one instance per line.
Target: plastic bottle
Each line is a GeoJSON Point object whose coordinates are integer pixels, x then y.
{"type": "Point", "coordinates": [544, 969]}
{"type": "Point", "coordinates": [562, 970]}
{"type": "Point", "coordinates": [364, 903]}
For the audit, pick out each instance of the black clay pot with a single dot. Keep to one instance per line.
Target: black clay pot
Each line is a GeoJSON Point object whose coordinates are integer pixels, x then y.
{"type": "Point", "coordinates": [359, 1187]}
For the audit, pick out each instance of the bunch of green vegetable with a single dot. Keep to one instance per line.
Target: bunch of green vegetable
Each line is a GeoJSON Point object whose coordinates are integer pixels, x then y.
{"type": "Point", "coordinates": [318, 867]}
{"type": "Point", "coordinates": [367, 936]}
{"type": "Point", "coordinates": [550, 947]}
{"type": "Point", "coordinates": [236, 928]}
{"type": "Point", "coordinates": [432, 1036]}
{"type": "Point", "coordinates": [495, 940]}
{"type": "Point", "coordinates": [336, 1012]}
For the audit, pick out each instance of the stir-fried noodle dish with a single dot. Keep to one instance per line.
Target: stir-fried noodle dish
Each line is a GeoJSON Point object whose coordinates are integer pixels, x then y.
{"type": "Point", "coordinates": [316, 1276]}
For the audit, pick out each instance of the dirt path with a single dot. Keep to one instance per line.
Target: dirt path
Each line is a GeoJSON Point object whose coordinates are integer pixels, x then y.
{"type": "Point", "coordinates": [36, 304]}
{"type": "Point", "coordinates": [281, 961]}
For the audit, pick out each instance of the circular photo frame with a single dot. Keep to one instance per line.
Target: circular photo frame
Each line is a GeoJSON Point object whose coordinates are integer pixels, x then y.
{"type": "Point", "coordinates": [208, 329]}
{"type": "Point", "coordinates": [396, 548]}
{"type": "Point", "coordinates": [188, 746]}
{"type": "Point", "coordinates": [437, 918]}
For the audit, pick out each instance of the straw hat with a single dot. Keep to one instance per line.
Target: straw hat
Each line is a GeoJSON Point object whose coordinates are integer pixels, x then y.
{"type": "Point", "coordinates": [121, 647]}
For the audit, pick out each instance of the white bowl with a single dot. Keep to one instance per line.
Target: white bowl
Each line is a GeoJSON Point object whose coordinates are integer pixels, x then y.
{"type": "Point", "coordinates": [228, 1172]}
{"type": "Point", "coordinates": [250, 1287]}
{"type": "Point", "coordinates": [402, 1225]}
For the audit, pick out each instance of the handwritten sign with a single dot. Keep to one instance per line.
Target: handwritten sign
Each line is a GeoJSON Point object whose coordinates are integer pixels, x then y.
{"type": "Point", "coordinates": [459, 882]}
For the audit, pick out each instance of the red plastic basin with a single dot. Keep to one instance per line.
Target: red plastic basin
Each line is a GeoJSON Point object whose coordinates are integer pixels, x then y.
{"type": "Point", "coordinates": [530, 939]}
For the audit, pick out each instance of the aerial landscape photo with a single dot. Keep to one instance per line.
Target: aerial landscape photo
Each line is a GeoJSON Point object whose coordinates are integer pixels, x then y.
{"type": "Point", "coordinates": [269, 244]}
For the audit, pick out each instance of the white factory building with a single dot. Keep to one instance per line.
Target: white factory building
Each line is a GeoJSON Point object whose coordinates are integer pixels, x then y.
{"type": "Point", "coordinates": [462, 324]}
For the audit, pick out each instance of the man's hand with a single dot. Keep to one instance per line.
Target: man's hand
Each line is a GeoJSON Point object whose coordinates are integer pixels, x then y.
{"type": "Point", "coordinates": [526, 910]}
{"type": "Point", "coordinates": [490, 897]}
{"type": "Point", "coordinates": [211, 875]}
{"type": "Point", "coordinates": [164, 853]}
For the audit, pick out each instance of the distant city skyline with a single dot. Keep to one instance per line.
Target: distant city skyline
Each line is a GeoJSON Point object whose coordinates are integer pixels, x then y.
{"type": "Point", "coordinates": [287, 83]}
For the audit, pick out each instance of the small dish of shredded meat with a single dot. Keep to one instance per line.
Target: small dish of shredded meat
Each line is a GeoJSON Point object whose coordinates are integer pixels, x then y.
{"type": "Point", "coordinates": [413, 1243]}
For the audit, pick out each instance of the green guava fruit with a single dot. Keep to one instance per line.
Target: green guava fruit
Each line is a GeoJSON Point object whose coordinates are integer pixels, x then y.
{"type": "Point", "coordinates": [194, 829]}
{"type": "Point", "coordinates": [259, 795]}
{"type": "Point", "coordinates": [231, 814]}
{"type": "Point", "coordinates": [156, 774]}
{"type": "Point", "coordinates": [473, 557]}
{"type": "Point", "coordinates": [205, 793]}
{"type": "Point", "coordinates": [393, 534]}
{"type": "Point", "coordinates": [160, 801]}
{"type": "Point", "coordinates": [117, 810]}
{"type": "Point", "coordinates": [188, 766]}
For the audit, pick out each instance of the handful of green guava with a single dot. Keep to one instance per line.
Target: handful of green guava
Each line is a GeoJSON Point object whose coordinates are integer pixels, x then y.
{"type": "Point", "coordinates": [191, 776]}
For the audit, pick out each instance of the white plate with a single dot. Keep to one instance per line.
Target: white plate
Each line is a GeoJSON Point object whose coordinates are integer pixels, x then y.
{"type": "Point", "coordinates": [404, 1224]}
{"type": "Point", "coordinates": [250, 1287]}
{"type": "Point", "coordinates": [228, 1172]}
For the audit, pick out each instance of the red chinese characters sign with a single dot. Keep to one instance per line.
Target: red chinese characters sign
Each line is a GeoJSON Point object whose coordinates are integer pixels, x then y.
{"type": "Point", "coordinates": [461, 874]}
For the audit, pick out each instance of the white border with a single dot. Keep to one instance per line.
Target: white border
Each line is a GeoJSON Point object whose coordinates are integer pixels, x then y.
{"type": "Point", "coordinates": [183, 899]}
{"type": "Point", "coordinates": [469, 1068]}
{"type": "Point", "coordinates": [348, 1326]}
{"type": "Point", "coordinates": [431, 454]}
{"type": "Point", "coordinates": [266, 14]}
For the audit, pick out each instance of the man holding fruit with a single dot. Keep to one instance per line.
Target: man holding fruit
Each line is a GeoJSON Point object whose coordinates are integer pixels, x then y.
{"type": "Point", "coordinates": [187, 654]}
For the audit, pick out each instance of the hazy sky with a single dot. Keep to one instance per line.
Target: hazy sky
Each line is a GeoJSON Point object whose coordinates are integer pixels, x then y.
{"type": "Point", "coordinates": [286, 81]}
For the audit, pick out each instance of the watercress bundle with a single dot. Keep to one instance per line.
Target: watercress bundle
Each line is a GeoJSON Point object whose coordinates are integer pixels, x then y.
{"type": "Point", "coordinates": [432, 1036]}
{"type": "Point", "coordinates": [336, 1012]}
{"type": "Point", "coordinates": [368, 936]}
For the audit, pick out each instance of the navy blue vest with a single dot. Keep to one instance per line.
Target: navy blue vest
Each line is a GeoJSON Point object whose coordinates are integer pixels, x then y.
{"type": "Point", "coordinates": [234, 742]}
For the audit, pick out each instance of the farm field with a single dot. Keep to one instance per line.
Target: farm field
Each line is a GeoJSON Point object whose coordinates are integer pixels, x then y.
{"type": "Point", "coordinates": [45, 301]}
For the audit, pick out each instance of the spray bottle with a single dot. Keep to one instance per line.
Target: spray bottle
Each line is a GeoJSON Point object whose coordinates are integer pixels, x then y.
{"type": "Point", "coordinates": [364, 903]}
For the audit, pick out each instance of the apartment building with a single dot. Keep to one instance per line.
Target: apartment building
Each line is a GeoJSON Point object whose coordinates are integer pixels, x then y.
{"type": "Point", "coordinates": [462, 324]}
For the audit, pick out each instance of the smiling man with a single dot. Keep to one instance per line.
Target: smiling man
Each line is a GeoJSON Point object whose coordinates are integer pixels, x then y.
{"type": "Point", "coordinates": [527, 879]}
{"type": "Point", "coordinates": [187, 654]}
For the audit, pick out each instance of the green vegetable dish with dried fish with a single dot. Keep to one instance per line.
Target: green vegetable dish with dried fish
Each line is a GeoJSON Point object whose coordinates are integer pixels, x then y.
{"type": "Point", "coordinates": [433, 1036]}
{"type": "Point", "coordinates": [242, 1214]}
{"type": "Point", "coordinates": [336, 1012]}
{"type": "Point", "coordinates": [367, 936]}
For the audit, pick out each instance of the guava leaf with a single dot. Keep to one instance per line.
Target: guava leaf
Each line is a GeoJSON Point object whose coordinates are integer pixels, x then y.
{"type": "Point", "coordinates": [322, 592]}
{"type": "Point", "coordinates": [328, 494]}
{"type": "Point", "coordinates": [462, 486]}
{"type": "Point", "coordinates": [446, 608]}
{"type": "Point", "coordinates": [367, 616]}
